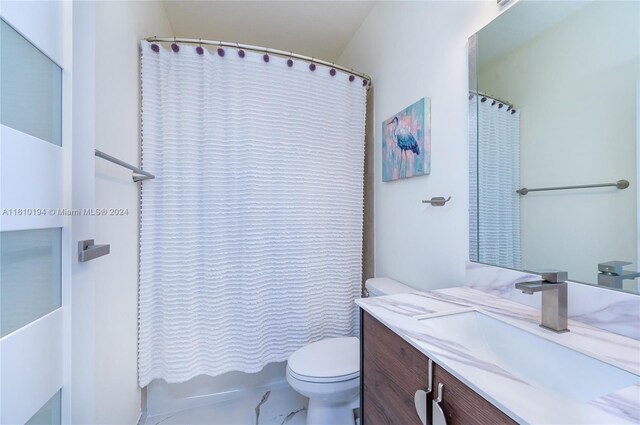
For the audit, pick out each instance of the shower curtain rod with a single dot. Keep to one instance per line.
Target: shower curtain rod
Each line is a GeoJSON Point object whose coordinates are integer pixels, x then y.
{"type": "Point", "coordinates": [259, 49]}
{"type": "Point", "coordinates": [481, 94]}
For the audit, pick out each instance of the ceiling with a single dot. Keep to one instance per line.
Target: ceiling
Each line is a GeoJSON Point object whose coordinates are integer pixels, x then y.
{"type": "Point", "coordinates": [319, 29]}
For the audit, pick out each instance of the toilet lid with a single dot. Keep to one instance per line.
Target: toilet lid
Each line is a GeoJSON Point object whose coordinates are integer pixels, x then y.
{"type": "Point", "coordinates": [328, 360]}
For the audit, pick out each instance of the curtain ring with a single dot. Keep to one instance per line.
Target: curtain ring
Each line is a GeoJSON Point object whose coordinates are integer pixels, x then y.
{"type": "Point", "coordinates": [240, 51]}
{"type": "Point", "coordinates": [174, 45]}
{"type": "Point", "coordinates": [290, 61]}
{"type": "Point", "coordinates": [154, 46]}
{"type": "Point", "coordinates": [220, 49]}
{"type": "Point", "coordinates": [332, 72]}
{"type": "Point", "coordinates": [312, 66]}
{"type": "Point", "coordinates": [199, 49]}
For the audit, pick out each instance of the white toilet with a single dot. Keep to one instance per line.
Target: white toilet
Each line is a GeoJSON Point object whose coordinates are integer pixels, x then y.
{"type": "Point", "coordinates": [328, 371]}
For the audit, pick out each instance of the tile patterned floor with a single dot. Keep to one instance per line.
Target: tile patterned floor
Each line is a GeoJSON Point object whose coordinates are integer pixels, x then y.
{"type": "Point", "coordinates": [279, 406]}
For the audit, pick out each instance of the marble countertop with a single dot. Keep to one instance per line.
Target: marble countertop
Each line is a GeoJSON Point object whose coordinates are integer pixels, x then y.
{"type": "Point", "coordinates": [520, 400]}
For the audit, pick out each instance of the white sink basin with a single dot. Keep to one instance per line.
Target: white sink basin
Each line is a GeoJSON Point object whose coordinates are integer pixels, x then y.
{"type": "Point", "coordinates": [539, 362]}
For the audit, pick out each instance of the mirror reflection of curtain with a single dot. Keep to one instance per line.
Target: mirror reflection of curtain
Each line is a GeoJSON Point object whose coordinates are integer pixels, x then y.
{"type": "Point", "coordinates": [495, 177]}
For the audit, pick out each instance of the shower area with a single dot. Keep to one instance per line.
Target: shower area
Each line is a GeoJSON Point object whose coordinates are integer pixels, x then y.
{"type": "Point", "coordinates": [253, 241]}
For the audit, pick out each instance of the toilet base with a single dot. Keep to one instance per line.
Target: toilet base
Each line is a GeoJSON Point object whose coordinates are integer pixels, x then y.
{"type": "Point", "coordinates": [323, 412]}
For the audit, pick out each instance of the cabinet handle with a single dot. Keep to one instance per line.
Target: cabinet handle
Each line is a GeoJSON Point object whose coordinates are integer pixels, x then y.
{"type": "Point", "coordinates": [421, 397]}
{"type": "Point", "coordinates": [438, 414]}
{"type": "Point", "coordinates": [440, 390]}
{"type": "Point", "coordinates": [420, 400]}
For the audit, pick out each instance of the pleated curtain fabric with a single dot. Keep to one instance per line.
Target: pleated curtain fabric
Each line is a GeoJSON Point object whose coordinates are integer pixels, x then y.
{"type": "Point", "coordinates": [251, 232]}
{"type": "Point", "coordinates": [473, 178]}
{"type": "Point", "coordinates": [494, 213]}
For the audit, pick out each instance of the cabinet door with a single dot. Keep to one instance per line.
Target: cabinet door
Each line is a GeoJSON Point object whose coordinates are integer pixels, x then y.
{"type": "Point", "coordinates": [392, 372]}
{"type": "Point", "coordinates": [462, 405]}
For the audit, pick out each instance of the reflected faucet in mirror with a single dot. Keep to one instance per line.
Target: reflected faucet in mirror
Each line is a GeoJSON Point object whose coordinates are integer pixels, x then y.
{"type": "Point", "coordinates": [612, 273]}
{"type": "Point", "coordinates": [554, 298]}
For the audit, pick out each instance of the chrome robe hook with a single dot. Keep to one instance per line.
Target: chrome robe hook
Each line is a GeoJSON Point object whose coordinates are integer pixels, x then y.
{"type": "Point", "coordinates": [436, 201]}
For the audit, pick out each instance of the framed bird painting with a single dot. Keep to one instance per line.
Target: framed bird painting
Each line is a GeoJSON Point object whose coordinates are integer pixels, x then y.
{"type": "Point", "coordinates": [406, 142]}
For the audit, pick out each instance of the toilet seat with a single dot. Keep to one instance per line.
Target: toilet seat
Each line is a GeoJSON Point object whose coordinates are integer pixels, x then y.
{"type": "Point", "coordinates": [326, 361]}
{"type": "Point", "coordinates": [323, 379]}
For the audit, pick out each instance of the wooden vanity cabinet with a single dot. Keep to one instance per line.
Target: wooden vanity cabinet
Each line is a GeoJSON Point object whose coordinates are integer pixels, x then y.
{"type": "Point", "coordinates": [392, 370]}
{"type": "Point", "coordinates": [463, 406]}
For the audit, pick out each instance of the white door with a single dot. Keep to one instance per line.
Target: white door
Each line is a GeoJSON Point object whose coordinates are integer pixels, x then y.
{"type": "Point", "coordinates": [44, 174]}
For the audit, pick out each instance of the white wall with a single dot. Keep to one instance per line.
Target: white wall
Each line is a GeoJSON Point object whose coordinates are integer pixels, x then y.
{"type": "Point", "coordinates": [119, 28]}
{"type": "Point", "coordinates": [411, 50]}
{"type": "Point", "coordinates": [82, 358]}
{"type": "Point", "coordinates": [575, 85]}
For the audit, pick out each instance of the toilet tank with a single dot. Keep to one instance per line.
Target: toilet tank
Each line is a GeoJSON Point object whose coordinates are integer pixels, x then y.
{"type": "Point", "coordinates": [384, 286]}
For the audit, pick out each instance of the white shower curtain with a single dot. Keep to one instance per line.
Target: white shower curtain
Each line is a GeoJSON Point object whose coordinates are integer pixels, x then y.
{"type": "Point", "coordinates": [494, 213]}
{"type": "Point", "coordinates": [251, 232]}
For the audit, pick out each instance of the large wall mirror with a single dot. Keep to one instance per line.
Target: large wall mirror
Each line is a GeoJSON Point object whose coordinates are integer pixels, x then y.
{"type": "Point", "coordinates": [554, 109]}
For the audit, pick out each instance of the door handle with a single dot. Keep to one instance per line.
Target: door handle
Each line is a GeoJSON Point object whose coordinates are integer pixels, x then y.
{"type": "Point", "coordinates": [87, 250]}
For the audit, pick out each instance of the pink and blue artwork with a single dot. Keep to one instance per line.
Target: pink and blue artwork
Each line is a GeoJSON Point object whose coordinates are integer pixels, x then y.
{"type": "Point", "coordinates": [406, 142]}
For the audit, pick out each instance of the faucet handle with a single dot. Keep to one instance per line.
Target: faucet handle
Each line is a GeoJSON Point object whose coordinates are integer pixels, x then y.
{"type": "Point", "coordinates": [614, 267]}
{"type": "Point", "coordinates": [554, 276]}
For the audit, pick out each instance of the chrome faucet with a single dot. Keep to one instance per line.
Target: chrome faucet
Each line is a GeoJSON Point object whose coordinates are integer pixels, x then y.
{"type": "Point", "coordinates": [554, 298]}
{"type": "Point", "coordinates": [612, 273]}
